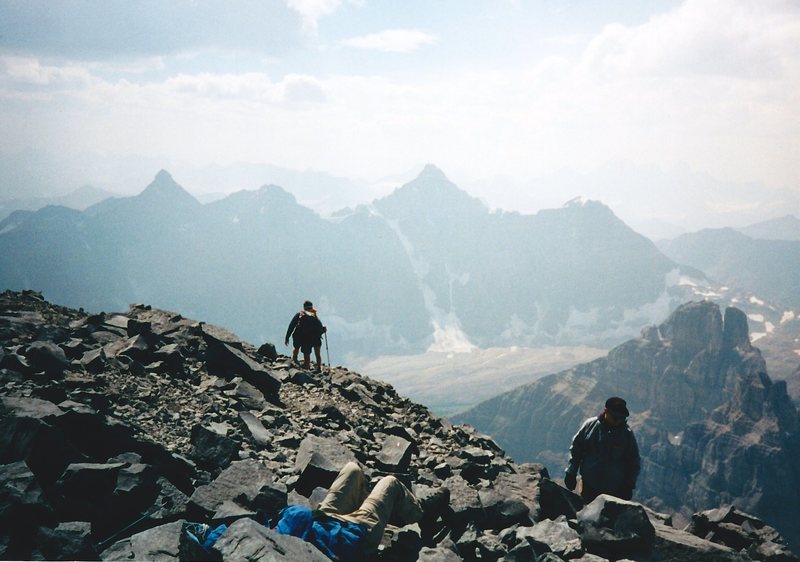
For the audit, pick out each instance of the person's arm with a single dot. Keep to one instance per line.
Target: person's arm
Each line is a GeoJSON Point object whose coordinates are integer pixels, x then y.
{"type": "Point", "coordinates": [575, 458]}
{"type": "Point", "coordinates": [292, 326]}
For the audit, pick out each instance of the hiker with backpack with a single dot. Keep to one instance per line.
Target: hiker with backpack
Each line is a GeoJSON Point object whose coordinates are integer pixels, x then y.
{"type": "Point", "coordinates": [606, 453]}
{"type": "Point", "coordinates": [306, 331]}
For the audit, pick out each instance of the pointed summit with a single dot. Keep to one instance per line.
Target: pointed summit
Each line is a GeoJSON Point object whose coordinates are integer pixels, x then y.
{"type": "Point", "coordinates": [164, 188]}
{"type": "Point", "coordinates": [430, 192]}
{"type": "Point", "coordinates": [432, 172]}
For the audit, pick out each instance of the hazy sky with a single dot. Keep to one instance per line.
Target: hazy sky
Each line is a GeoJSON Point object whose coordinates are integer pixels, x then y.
{"type": "Point", "coordinates": [514, 100]}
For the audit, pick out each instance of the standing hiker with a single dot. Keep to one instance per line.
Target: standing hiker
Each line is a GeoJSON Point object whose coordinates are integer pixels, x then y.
{"type": "Point", "coordinates": [306, 331]}
{"type": "Point", "coordinates": [606, 453]}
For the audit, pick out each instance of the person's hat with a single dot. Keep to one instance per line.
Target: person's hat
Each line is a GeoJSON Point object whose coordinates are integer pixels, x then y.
{"type": "Point", "coordinates": [308, 305]}
{"type": "Point", "coordinates": [617, 406]}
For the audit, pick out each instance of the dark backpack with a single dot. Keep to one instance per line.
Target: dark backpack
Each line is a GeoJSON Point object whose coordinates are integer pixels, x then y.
{"type": "Point", "coordinates": [308, 327]}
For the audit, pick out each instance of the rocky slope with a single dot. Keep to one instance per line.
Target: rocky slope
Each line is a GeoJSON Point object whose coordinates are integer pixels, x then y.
{"type": "Point", "coordinates": [118, 429]}
{"type": "Point", "coordinates": [712, 427]}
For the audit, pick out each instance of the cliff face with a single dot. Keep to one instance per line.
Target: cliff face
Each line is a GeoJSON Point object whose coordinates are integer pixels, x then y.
{"type": "Point", "coordinates": [745, 454]}
{"type": "Point", "coordinates": [711, 425]}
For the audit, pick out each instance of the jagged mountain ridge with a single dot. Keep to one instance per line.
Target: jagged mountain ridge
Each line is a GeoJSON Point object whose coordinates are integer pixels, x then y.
{"type": "Point", "coordinates": [425, 265]}
{"type": "Point", "coordinates": [709, 421]}
{"type": "Point", "coordinates": [147, 419]}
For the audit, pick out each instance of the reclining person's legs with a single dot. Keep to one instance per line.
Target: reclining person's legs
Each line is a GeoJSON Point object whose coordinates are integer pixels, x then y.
{"type": "Point", "coordinates": [347, 492]}
{"type": "Point", "coordinates": [389, 501]}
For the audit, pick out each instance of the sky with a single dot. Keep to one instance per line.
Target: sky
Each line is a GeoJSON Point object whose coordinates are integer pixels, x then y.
{"type": "Point", "coordinates": [674, 113]}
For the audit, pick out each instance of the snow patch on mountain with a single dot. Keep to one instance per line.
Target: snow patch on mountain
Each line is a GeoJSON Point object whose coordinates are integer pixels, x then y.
{"type": "Point", "coordinates": [447, 333]}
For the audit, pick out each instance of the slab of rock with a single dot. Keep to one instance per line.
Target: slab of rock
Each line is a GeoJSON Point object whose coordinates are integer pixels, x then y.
{"type": "Point", "coordinates": [71, 540]}
{"type": "Point", "coordinates": [211, 449]}
{"type": "Point", "coordinates": [23, 508]}
{"type": "Point", "coordinates": [681, 546]}
{"type": "Point", "coordinates": [612, 527]}
{"type": "Point", "coordinates": [395, 454]}
{"type": "Point", "coordinates": [27, 436]}
{"type": "Point", "coordinates": [165, 543]}
{"type": "Point", "coordinates": [247, 540]}
{"type": "Point", "coordinates": [138, 348]}
{"type": "Point", "coordinates": [525, 488]}
{"type": "Point", "coordinates": [238, 484]}
{"type": "Point", "coordinates": [225, 360]}
{"type": "Point", "coordinates": [48, 357]}
{"type": "Point", "coordinates": [171, 356]}
{"type": "Point", "coordinates": [95, 360]}
{"type": "Point", "coordinates": [464, 502]}
{"type": "Point", "coordinates": [555, 501]}
{"type": "Point", "coordinates": [503, 511]}
{"type": "Point", "coordinates": [319, 461]}
{"type": "Point", "coordinates": [137, 488]}
{"type": "Point", "coordinates": [729, 526]}
{"type": "Point", "coordinates": [85, 491]}
{"type": "Point", "coordinates": [560, 538]}
{"type": "Point", "coordinates": [261, 437]}
{"type": "Point", "coordinates": [250, 397]}
{"type": "Point", "coordinates": [268, 350]}
{"type": "Point", "coordinates": [440, 554]}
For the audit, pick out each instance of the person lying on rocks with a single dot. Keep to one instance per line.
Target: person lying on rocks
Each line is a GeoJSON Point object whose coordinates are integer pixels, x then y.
{"type": "Point", "coordinates": [606, 453]}
{"type": "Point", "coordinates": [349, 523]}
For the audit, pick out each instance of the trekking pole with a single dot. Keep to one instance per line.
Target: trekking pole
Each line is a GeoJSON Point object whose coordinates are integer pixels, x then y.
{"type": "Point", "coordinates": [103, 544]}
{"type": "Point", "coordinates": [327, 351]}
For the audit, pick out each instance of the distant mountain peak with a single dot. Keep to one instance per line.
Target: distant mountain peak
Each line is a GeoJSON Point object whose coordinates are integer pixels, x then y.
{"type": "Point", "coordinates": [433, 191]}
{"type": "Point", "coordinates": [164, 186]}
{"type": "Point", "coordinates": [431, 171]}
{"type": "Point", "coordinates": [581, 201]}
{"type": "Point", "coordinates": [277, 193]}
{"type": "Point", "coordinates": [162, 181]}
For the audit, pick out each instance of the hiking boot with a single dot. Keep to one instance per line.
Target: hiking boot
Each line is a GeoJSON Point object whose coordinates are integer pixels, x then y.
{"type": "Point", "coordinates": [199, 531]}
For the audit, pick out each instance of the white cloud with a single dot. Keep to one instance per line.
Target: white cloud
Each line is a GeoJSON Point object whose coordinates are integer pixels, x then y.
{"type": "Point", "coordinates": [302, 89]}
{"type": "Point", "coordinates": [392, 40]}
{"type": "Point", "coordinates": [30, 71]}
{"type": "Point", "coordinates": [702, 38]}
{"type": "Point", "coordinates": [313, 10]}
{"type": "Point", "coordinates": [135, 66]}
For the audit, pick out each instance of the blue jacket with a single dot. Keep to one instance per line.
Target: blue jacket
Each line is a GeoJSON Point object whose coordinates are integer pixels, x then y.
{"type": "Point", "coordinates": [608, 457]}
{"type": "Point", "coordinates": [337, 539]}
